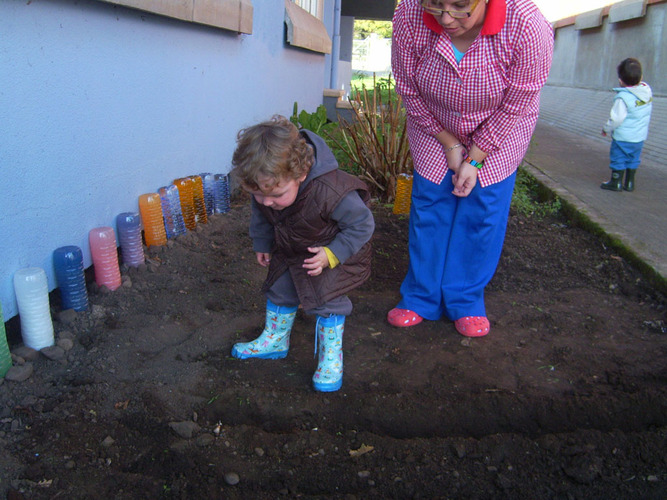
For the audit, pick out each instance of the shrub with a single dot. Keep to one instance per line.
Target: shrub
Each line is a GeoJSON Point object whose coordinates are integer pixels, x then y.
{"type": "Point", "coordinates": [375, 142]}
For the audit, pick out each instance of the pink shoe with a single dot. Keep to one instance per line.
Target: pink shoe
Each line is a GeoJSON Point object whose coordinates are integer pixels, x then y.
{"type": "Point", "coordinates": [472, 326]}
{"type": "Point", "coordinates": [403, 317]}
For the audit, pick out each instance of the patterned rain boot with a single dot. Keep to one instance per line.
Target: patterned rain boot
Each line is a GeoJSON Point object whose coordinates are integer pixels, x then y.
{"type": "Point", "coordinates": [630, 179]}
{"type": "Point", "coordinates": [273, 343]}
{"type": "Point", "coordinates": [614, 183]}
{"type": "Point", "coordinates": [329, 334]}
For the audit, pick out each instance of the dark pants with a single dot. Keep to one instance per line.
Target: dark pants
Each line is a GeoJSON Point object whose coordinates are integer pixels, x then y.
{"type": "Point", "coordinates": [283, 293]}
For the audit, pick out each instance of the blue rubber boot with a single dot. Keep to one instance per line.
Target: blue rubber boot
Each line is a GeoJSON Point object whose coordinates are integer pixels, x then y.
{"type": "Point", "coordinates": [329, 334]}
{"type": "Point", "coordinates": [273, 343]}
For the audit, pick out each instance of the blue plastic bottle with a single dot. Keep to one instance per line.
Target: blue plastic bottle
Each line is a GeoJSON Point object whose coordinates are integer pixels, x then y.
{"type": "Point", "coordinates": [171, 210]}
{"type": "Point", "coordinates": [209, 192]}
{"type": "Point", "coordinates": [68, 264]}
{"type": "Point", "coordinates": [221, 193]}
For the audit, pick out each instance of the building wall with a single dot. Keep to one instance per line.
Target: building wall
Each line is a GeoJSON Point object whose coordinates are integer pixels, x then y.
{"type": "Point", "coordinates": [100, 104]}
{"type": "Point", "coordinates": [588, 58]}
{"type": "Point", "coordinates": [578, 93]}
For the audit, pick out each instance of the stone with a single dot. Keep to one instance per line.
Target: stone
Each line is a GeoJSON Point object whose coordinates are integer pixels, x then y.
{"type": "Point", "coordinates": [54, 353]}
{"type": "Point", "coordinates": [65, 344]}
{"type": "Point", "coordinates": [27, 353]}
{"type": "Point", "coordinates": [19, 373]}
{"type": "Point", "coordinates": [232, 478]}
{"type": "Point", "coordinates": [185, 429]}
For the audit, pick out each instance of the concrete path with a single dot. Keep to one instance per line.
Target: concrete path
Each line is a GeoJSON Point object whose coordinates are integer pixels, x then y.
{"type": "Point", "coordinates": [573, 166]}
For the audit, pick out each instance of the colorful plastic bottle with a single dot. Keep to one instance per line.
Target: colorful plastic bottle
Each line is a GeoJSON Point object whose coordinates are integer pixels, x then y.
{"type": "Point", "coordinates": [32, 297]}
{"type": "Point", "coordinates": [5, 355]}
{"type": "Point", "coordinates": [129, 238]}
{"type": "Point", "coordinates": [209, 192]}
{"type": "Point", "coordinates": [71, 278]}
{"type": "Point", "coordinates": [150, 208]}
{"type": "Point", "coordinates": [221, 194]}
{"type": "Point", "coordinates": [171, 211]}
{"type": "Point", "coordinates": [105, 257]}
{"type": "Point", "coordinates": [403, 194]}
{"type": "Point", "coordinates": [198, 199]}
{"type": "Point", "coordinates": [185, 193]}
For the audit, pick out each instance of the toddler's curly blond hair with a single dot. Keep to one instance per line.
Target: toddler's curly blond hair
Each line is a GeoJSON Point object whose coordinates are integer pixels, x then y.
{"type": "Point", "coordinates": [269, 152]}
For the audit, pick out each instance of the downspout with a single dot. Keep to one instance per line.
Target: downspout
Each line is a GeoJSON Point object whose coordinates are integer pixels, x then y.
{"type": "Point", "coordinates": [335, 46]}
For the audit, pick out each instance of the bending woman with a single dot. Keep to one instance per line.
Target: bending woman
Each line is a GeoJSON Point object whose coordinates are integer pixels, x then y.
{"type": "Point", "coordinates": [470, 74]}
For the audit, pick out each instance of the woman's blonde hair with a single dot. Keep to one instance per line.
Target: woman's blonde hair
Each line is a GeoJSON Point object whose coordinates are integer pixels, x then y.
{"type": "Point", "coordinates": [270, 152]}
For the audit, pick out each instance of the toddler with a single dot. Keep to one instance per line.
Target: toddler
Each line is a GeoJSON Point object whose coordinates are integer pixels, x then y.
{"type": "Point", "coordinates": [311, 226]}
{"type": "Point", "coordinates": [628, 125]}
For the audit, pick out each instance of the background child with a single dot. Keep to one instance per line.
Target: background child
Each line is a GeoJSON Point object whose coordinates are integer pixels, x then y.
{"type": "Point", "coordinates": [311, 226]}
{"type": "Point", "coordinates": [628, 125]}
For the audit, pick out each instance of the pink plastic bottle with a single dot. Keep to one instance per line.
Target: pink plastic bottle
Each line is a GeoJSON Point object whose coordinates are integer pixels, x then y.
{"type": "Point", "coordinates": [150, 207]}
{"type": "Point", "coordinates": [105, 257]}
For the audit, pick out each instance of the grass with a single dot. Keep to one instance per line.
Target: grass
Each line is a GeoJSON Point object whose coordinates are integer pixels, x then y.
{"type": "Point", "coordinates": [530, 199]}
{"type": "Point", "coordinates": [383, 86]}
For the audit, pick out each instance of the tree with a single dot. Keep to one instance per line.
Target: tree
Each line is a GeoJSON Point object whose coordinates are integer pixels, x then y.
{"type": "Point", "coordinates": [364, 28]}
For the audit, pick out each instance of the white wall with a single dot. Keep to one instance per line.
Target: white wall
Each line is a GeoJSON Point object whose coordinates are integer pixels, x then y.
{"type": "Point", "coordinates": [100, 104]}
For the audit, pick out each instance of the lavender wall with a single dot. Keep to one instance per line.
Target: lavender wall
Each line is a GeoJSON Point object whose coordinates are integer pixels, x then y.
{"type": "Point", "coordinates": [100, 104]}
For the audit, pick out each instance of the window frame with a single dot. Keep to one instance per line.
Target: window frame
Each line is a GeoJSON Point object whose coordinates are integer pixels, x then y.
{"type": "Point", "coordinates": [232, 15]}
{"type": "Point", "coordinates": [304, 30]}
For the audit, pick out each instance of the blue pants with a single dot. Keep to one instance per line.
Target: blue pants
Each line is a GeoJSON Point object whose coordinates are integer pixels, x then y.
{"type": "Point", "coordinates": [624, 155]}
{"type": "Point", "coordinates": [455, 245]}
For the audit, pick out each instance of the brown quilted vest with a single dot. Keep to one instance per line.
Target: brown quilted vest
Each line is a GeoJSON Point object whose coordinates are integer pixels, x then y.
{"type": "Point", "coordinates": [307, 223]}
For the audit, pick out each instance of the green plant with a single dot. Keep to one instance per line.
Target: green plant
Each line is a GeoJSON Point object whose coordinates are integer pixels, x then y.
{"type": "Point", "coordinates": [526, 198]}
{"type": "Point", "coordinates": [315, 122]}
{"type": "Point", "coordinates": [375, 142]}
{"type": "Point", "coordinates": [372, 84]}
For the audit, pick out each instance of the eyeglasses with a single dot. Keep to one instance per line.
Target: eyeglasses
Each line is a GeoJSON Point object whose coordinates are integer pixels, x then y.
{"type": "Point", "coordinates": [456, 14]}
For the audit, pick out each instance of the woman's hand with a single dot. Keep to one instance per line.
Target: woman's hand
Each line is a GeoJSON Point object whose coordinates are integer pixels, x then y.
{"type": "Point", "coordinates": [455, 158]}
{"type": "Point", "coordinates": [263, 258]}
{"type": "Point", "coordinates": [464, 180]}
{"type": "Point", "coordinates": [318, 262]}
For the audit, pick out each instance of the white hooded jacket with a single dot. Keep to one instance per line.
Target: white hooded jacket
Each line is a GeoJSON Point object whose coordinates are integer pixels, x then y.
{"type": "Point", "coordinates": [630, 114]}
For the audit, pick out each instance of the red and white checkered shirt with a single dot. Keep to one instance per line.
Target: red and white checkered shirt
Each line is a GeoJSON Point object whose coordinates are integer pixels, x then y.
{"type": "Point", "coordinates": [490, 98]}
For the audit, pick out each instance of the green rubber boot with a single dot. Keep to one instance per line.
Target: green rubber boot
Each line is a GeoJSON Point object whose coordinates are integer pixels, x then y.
{"type": "Point", "coordinates": [614, 183]}
{"type": "Point", "coordinates": [273, 343]}
{"type": "Point", "coordinates": [630, 179]}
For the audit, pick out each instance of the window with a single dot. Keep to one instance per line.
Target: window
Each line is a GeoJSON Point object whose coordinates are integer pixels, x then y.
{"type": "Point", "coordinates": [234, 15]}
{"type": "Point", "coordinates": [304, 29]}
{"type": "Point", "coordinates": [313, 7]}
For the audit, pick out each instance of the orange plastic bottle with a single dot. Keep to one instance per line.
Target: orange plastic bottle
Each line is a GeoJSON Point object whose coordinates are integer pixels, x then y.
{"type": "Point", "coordinates": [403, 194]}
{"type": "Point", "coordinates": [150, 208]}
{"type": "Point", "coordinates": [185, 193]}
{"type": "Point", "coordinates": [198, 199]}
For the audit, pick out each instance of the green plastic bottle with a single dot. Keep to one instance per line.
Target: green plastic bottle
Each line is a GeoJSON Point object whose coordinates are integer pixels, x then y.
{"type": "Point", "coordinates": [5, 356]}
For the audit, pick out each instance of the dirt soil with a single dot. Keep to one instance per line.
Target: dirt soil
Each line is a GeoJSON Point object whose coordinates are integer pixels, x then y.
{"type": "Point", "coordinates": [565, 399]}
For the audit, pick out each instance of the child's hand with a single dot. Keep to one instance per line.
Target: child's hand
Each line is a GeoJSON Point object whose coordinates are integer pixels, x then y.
{"type": "Point", "coordinates": [263, 258]}
{"type": "Point", "coordinates": [317, 262]}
